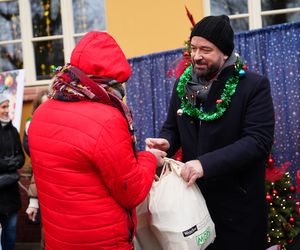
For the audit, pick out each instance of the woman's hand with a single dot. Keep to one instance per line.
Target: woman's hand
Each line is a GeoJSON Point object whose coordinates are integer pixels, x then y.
{"type": "Point", "coordinates": [159, 154]}
{"type": "Point", "coordinates": [157, 143]}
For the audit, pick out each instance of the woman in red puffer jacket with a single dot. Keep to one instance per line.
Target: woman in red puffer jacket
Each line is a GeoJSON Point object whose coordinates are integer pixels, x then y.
{"type": "Point", "coordinates": [88, 175]}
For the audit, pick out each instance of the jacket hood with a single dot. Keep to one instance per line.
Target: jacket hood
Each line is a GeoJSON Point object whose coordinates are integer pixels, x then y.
{"type": "Point", "coordinates": [98, 54]}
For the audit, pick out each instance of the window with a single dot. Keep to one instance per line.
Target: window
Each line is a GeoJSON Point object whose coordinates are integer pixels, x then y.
{"type": "Point", "coordinates": [40, 34]}
{"type": "Point", "coordinates": [276, 12]}
{"type": "Point", "coordinates": [10, 40]}
{"type": "Point", "coordinates": [252, 14]}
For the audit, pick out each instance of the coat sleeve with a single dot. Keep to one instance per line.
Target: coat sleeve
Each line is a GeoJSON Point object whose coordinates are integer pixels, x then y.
{"type": "Point", "coordinates": [128, 177]}
{"type": "Point", "coordinates": [18, 159]}
{"type": "Point", "coordinates": [256, 139]}
{"type": "Point", "coordinates": [3, 165]}
{"type": "Point", "coordinates": [19, 154]}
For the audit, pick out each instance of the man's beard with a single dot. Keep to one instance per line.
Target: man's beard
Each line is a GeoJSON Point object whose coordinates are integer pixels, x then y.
{"type": "Point", "coordinates": [208, 73]}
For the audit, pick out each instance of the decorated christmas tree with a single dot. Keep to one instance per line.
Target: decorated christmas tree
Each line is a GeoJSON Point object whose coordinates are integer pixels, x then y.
{"type": "Point", "coordinates": [283, 209]}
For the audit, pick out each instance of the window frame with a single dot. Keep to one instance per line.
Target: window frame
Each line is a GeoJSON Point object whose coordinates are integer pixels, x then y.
{"type": "Point", "coordinates": [67, 37]}
{"type": "Point", "coordinates": [254, 14]}
{"type": "Point", "coordinates": [27, 39]}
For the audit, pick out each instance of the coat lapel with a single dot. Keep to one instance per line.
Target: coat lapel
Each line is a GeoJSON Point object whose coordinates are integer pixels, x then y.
{"type": "Point", "coordinates": [216, 89]}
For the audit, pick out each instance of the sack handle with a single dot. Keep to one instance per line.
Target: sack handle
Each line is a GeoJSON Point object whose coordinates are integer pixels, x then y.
{"type": "Point", "coordinates": [171, 165]}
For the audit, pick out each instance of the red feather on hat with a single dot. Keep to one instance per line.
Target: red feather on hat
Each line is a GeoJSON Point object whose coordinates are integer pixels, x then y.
{"type": "Point", "coordinates": [190, 16]}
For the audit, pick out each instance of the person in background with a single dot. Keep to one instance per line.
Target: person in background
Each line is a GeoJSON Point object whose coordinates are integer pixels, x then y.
{"type": "Point", "coordinates": [41, 97]}
{"type": "Point", "coordinates": [88, 174]}
{"type": "Point", "coordinates": [11, 159]}
{"type": "Point", "coordinates": [222, 117]}
{"type": "Point", "coordinates": [33, 206]}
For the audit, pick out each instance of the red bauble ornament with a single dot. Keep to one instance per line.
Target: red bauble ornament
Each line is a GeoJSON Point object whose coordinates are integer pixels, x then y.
{"type": "Point", "coordinates": [292, 188]}
{"type": "Point", "coordinates": [269, 198]}
{"type": "Point", "coordinates": [274, 191]}
{"type": "Point", "coordinates": [245, 67]}
{"type": "Point", "coordinates": [292, 220]}
{"type": "Point", "coordinates": [290, 241]}
{"type": "Point", "coordinates": [271, 162]}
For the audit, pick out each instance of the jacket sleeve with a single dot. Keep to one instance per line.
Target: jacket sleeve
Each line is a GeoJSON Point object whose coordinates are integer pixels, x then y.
{"type": "Point", "coordinates": [3, 165]}
{"type": "Point", "coordinates": [128, 177]}
{"type": "Point", "coordinates": [18, 159]}
{"type": "Point", "coordinates": [256, 139]}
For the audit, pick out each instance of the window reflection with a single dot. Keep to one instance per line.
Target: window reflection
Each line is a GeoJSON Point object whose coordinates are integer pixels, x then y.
{"type": "Point", "coordinates": [280, 18]}
{"type": "Point", "coordinates": [77, 39]}
{"type": "Point", "coordinates": [46, 17]}
{"type": "Point", "coordinates": [89, 15]}
{"type": "Point", "coordinates": [240, 24]}
{"type": "Point", "coordinates": [9, 21]}
{"type": "Point", "coordinates": [228, 7]}
{"type": "Point", "coordinates": [48, 55]}
{"type": "Point", "coordinates": [11, 57]}
{"type": "Point", "coordinates": [275, 4]}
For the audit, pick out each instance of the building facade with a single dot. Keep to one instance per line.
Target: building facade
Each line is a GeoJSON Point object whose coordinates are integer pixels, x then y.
{"type": "Point", "coordinates": [39, 35]}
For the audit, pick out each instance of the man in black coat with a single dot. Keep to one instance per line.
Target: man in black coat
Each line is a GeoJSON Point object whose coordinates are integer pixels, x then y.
{"type": "Point", "coordinates": [222, 117]}
{"type": "Point", "coordinates": [11, 159]}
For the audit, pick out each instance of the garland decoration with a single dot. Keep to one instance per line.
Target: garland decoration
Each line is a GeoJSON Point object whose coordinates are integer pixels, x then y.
{"type": "Point", "coordinates": [221, 104]}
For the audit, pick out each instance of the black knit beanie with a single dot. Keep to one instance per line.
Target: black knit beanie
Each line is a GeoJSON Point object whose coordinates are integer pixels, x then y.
{"type": "Point", "coordinates": [217, 30]}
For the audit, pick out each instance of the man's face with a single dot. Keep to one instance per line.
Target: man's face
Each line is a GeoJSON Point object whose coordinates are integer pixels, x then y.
{"type": "Point", "coordinates": [4, 110]}
{"type": "Point", "coordinates": [207, 58]}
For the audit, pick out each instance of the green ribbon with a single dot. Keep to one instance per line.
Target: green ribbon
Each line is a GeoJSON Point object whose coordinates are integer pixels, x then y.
{"type": "Point", "coordinates": [221, 104]}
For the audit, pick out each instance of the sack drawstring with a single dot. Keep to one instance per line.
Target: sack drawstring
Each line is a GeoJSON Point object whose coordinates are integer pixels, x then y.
{"type": "Point", "coordinates": [172, 166]}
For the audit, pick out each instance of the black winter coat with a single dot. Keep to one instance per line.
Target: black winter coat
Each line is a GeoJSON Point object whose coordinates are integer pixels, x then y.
{"type": "Point", "coordinates": [11, 158]}
{"type": "Point", "coordinates": [233, 152]}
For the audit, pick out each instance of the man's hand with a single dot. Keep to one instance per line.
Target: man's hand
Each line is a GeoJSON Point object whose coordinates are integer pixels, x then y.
{"type": "Point", "coordinates": [191, 171]}
{"type": "Point", "coordinates": [159, 156]}
{"type": "Point", "coordinates": [32, 213]}
{"type": "Point", "coordinates": [157, 143]}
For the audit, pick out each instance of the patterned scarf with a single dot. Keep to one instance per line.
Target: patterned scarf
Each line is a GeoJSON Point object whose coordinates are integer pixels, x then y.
{"type": "Point", "coordinates": [71, 84]}
{"type": "Point", "coordinates": [198, 88]}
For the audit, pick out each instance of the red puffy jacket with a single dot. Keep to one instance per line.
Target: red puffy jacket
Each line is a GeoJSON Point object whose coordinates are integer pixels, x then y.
{"type": "Point", "coordinates": [88, 179]}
